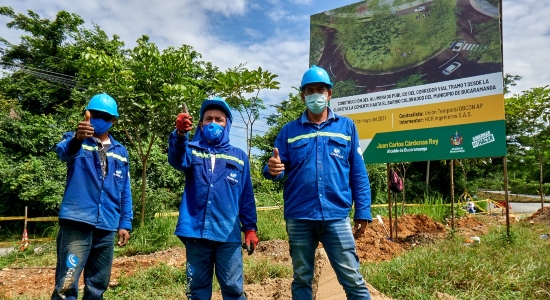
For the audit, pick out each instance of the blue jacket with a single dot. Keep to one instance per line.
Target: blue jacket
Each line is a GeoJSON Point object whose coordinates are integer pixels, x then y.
{"type": "Point", "coordinates": [325, 170]}
{"type": "Point", "coordinates": [104, 203]}
{"type": "Point", "coordinates": [215, 205]}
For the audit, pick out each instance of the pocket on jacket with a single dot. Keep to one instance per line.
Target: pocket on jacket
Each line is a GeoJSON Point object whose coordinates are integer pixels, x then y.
{"type": "Point", "coordinates": [119, 173]}
{"type": "Point", "coordinates": [234, 172]}
{"type": "Point", "coordinates": [338, 148]}
{"type": "Point", "coordinates": [86, 157]}
{"type": "Point", "coordinates": [300, 150]}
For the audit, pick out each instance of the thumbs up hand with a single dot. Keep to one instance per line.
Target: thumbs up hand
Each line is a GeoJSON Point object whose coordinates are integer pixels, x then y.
{"type": "Point", "coordinates": [274, 164]}
{"type": "Point", "coordinates": [184, 123]}
{"type": "Point", "coordinates": [84, 129]}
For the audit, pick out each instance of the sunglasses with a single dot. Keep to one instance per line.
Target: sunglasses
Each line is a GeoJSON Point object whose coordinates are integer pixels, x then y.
{"type": "Point", "coordinates": [101, 115]}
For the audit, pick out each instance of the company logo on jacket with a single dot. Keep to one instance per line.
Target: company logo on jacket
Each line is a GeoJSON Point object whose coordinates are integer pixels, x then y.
{"type": "Point", "coordinates": [232, 177]}
{"type": "Point", "coordinates": [336, 153]}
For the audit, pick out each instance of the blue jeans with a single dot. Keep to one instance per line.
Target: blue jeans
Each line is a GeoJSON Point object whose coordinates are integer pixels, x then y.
{"type": "Point", "coordinates": [337, 238]}
{"type": "Point", "coordinates": [202, 255]}
{"type": "Point", "coordinates": [82, 247]}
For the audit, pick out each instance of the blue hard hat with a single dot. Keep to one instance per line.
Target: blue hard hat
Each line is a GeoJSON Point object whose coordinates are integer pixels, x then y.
{"type": "Point", "coordinates": [218, 102]}
{"type": "Point", "coordinates": [315, 74]}
{"type": "Point", "coordinates": [104, 103]}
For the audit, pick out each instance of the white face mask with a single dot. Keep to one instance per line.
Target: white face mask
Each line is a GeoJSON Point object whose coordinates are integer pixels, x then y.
{"type": "Point", "coordinates": [316, 103]}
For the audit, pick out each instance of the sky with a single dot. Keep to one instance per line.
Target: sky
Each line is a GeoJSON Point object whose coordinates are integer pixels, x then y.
{"type": "Point", "coordinates": [273, 34]}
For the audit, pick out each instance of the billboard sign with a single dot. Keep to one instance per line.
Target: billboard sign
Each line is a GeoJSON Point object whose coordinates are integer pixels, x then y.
{"type": "Point", "coordinates": [422, 80]}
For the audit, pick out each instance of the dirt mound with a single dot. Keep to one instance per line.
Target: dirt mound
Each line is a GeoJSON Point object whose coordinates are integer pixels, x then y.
{"type": "Point", "coordinates": [374, 246]}
{"type": "Point", "coordinates": [412, 230]}
{"type": "Point", "coordinates": [540, 216]}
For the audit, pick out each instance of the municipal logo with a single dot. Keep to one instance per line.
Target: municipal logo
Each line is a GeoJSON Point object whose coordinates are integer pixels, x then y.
{"type": "Point", "coordinates": [456, 139]}
{"type": "Point", "coordinates": [72, 260]}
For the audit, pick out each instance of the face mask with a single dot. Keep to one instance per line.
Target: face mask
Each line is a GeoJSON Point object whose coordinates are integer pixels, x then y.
{"type": "Point", "coordinates": [100, 126]}
{"type": "Point", "coordinates": [316, 103]}
{"type": "Point", "coordinates": [213, 133]}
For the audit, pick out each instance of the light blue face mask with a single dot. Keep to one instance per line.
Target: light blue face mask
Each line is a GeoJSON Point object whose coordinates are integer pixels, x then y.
{"type": "Point", "coordinates": [100, 126]}
{"type": "Point", "coordinates": [316, 103]}
{"type": "Point", "coordinates": [214, 133]}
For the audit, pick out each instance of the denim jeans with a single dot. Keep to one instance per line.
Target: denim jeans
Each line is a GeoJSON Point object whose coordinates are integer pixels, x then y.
{"type": "Point", "coordinates": [202, 256]}
{"type": "Point", "coordinates": [337, 238]}
{"type": "Point", "coordinates": [82, 247]}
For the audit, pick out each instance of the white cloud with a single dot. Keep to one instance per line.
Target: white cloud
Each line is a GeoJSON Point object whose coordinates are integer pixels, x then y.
{"type": "Point", "coordinates": [280, 47]}
{"type": "Point", "coordinates": [526, 42]}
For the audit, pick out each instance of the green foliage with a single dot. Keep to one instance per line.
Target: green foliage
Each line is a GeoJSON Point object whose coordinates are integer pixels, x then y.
{"type": "Point", "coordinates": [235, 84]}
{"type": "Point", "coordinates": [271, 225]}
{"type": "Point", "coordinates": [481, 271]}
{"type": "Point", "coordinates": [150, 88]}
{"type": "Point", "coordinates": [30, 172]}
{"type": "Point", "coordinates": [317, 41]}
{"type": "Point", "coordinates": [287, 111]}
{"type": "Point", "coordinates": [345, 88]}
{"type": "Point", "coordinates": [257, 270]}
{"type": "Point", "coordinates": [156, 235]}
{"type": "Point", "coordinates": [378, 177]}
{"type": "Point", "coordinates": [169, 283]}
{"type": "Point", "coordinates": [527, 129]}
{"type": "Point", "coordinates": [386, 42]}
{"type": "Point", "coordinates": [411, 80]}
{"type": "Point", "coordinates": [488, 35]}
{"type": "Point", "coordinates": [433, 206]}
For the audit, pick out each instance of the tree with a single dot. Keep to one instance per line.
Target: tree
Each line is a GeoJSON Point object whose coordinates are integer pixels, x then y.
{"type": "Point", "coordinates": [530, 113]}
{"type": "Point", "coordinates": [150, 88]}
{"type": "Point", "coordinates": [286, 111]}
{"type": "Point", "coordinates": [411, 80]}
{"type": "Point", "coordinates": [510, 80]}
{"type": "Point", "coordinates": [238, 82]}
{"type": "Point", "coordinates": [345, 88]}
{"type": "Point", "coordinates": [37, 105]}
{"type": "Point", "coordinates": [44, 63]}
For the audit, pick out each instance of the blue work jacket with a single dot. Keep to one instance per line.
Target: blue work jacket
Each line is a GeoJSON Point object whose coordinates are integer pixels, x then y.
{"type": "Point", "coordinates": [324, 168]}
{"type": "Point", "coordinates": [105, 203]}
{"type": "Point", "coordinates": [216, 205]}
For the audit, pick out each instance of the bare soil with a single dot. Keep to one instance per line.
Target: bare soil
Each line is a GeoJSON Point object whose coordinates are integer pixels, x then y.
{"type": "Point", "coordinates": [373, 246]}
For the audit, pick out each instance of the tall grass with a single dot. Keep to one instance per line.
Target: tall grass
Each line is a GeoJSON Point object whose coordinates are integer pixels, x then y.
{"type": "Point", "coordinates": [156, 235]}
{"type": "Point", "coordinates": [496, 268]}
{"type": "Point", "coordinates": [433, 206]}
{"type": "Point", "coordinates": [256, 270]}
{"type": "Point", "coordinates": [159, 282]}
{"type": "Point", "coordinates": [271, 225]}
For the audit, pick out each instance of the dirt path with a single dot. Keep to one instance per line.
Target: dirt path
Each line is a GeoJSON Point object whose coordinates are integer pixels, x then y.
{"type": "Point", "coordinates": [413, 230]}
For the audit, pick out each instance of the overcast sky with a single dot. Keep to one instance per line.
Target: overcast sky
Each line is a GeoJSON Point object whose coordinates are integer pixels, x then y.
{"type": "Point", "coordinates": [273, 34]}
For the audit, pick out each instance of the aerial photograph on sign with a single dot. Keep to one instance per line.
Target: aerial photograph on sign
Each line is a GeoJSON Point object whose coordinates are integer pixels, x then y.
{"type": "Point", "coordinates": [410, 73]}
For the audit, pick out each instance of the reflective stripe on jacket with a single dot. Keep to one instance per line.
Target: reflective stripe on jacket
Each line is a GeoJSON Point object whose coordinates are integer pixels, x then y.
{"type": "Point", "coordinates": [105, 203]}
{"type": "Point", "coordinates": [215, 205]}
{"type": "Point", "coordinates": [325, 170]}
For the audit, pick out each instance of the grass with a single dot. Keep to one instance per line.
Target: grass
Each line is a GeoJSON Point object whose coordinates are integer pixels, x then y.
{"type": "Point", "coordinates": [156, 235]}
{"type": "Point", "coordinates": [500, 267]}
{"type": "Point", "coordinates": [497, 268]}
{"type": "Point", "coordinates": [169, 283]}
{"type": "Point", "coordinates": [271, 225]}
{"type": "Point", "coordinates": [256, 270]}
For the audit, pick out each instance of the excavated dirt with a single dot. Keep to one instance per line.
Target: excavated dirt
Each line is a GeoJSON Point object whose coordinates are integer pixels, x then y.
{"type": "Point", "coordinates": [374, 246]}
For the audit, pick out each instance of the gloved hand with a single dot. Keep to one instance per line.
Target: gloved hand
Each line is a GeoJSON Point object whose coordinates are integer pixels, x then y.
{"type": "Point", "coordinates": [184, 123]}
{"type": "Point", "coordinates": [250, 241]}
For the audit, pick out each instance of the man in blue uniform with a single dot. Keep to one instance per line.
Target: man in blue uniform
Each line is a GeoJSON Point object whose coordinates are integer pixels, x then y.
{"type": "Point", "coordinates": [217, 203]}
{"type": "Point", "coordinates": [319, 154]}
{"type": "Point", "coordinates": [96, 205]}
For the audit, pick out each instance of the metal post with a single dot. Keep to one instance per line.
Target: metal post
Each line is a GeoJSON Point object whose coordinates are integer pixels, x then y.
{"type": "Point", "coordinates": [505, 165]}
{"type": "Point", "coordinates": [389, 200]}
{"type": "Point", "coordinates": [452, 196]}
